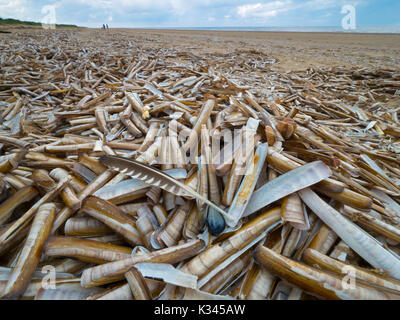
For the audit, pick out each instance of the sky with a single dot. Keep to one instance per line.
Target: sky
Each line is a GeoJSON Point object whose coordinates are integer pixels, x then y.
{"type": "Point", "coordinates": [203, 13]}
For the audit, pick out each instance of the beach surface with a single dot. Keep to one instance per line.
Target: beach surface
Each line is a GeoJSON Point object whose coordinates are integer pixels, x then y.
{"type": "Point", "coordinates": [292, 51]}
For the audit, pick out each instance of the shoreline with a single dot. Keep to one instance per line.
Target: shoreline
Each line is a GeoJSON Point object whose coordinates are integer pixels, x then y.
{"type": "Point", "coordinates": [252, 30]}
{"type": "Point", "coordinates": [204, 30]}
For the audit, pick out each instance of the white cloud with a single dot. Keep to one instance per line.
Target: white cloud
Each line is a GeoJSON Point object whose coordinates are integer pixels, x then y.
{"type": "Point", "coordinates": [273, 8]}
{"type": "Point", "coordinates": [99, 3]}
{"type": "Point", "coordinates": [13, 9]}
{"type": "Point", "coordinates": [179, 7]}
{"type": "Point", "coordinates": [327, 4]}
{"type": "Point", "coordinates": [263, 10]}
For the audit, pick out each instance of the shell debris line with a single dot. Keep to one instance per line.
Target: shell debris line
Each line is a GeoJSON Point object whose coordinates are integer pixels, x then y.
{"type": "Point", "coordinates": [134, 172]}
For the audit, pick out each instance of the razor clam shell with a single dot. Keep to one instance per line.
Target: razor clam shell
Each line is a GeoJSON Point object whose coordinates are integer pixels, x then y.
{"type": "Point", "coordinates": [315, 281]}
{"type": "Point", "coordinates": [167, 273]}
{"type": "Point", "coordinates": [194, 294]}
{"type": "Point", "coordinates": [245, 192]}
{"type": "Point", "coordinates": [357, 239]}
{"type": "Point", "coordinates": [111, 272]}
{"type": "Point", "coordinates": [65, 294]}
{"type": "Point", "coordinates": [286, 184]}
{"type": "Point", "coordinates": [294, 212]}
{"type": "Point", "coordinates": [314, 257]}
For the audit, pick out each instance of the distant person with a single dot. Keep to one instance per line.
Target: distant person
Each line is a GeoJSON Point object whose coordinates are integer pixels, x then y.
{"type": "Point", "coordinates": [107, 26]}
{"type": "Point", "coordinates": [104, 27]}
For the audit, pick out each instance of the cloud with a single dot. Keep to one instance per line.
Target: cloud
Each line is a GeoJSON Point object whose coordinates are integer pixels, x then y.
{"type": "Point", "coordinates": [16, 9]}
{"type": "Point", "coordinates": [263, 10]}
{"type": "Point", "coordinates": [316, 5]}
{"type": "Point", "coordinates": [97, 3]}
{"type": "Point", "coordinates": [186, 13]}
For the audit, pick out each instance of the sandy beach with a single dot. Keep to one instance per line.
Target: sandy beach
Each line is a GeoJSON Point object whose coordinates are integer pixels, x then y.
{"type": "Point", "coordinates": [293, 51]}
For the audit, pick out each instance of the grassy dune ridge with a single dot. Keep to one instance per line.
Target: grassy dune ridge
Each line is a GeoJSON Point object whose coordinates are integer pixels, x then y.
{"type": "Point", "coordinates": [30, 23]}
